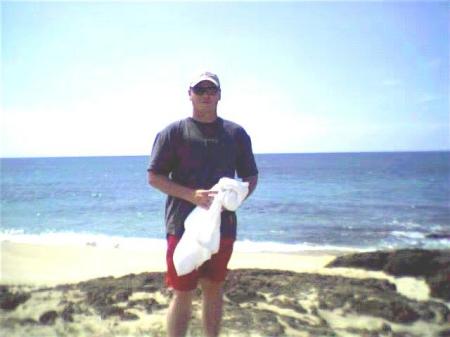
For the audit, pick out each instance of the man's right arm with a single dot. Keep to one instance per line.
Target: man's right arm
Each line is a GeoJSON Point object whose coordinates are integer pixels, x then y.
{"type": "Point", "coordinates": [161, 182]}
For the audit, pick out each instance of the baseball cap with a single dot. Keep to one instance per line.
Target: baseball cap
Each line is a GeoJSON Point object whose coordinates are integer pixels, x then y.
{"type": "Point", "coordinates": [206, 76]}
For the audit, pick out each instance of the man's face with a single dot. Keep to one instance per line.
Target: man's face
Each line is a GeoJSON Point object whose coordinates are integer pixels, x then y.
{"type": "Point", "coordinates": [205, 95]}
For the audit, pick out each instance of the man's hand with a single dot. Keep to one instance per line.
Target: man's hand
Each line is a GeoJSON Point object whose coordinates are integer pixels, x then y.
{"type": "Point", "coordinates": [203, 198]}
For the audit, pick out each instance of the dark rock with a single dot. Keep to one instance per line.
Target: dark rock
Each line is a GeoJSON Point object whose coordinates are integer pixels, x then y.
{"type": "Point", "coordinates": [294, 323]}
{"type": "Point", "coordinates": [238, 319]}
{"type": "Point", "coordinates": [433, 265]}
{"type": "Point", "coordinates": [440, 285]}
{"type": "Point", "coordinates": [272, 281]}
{"type": "Point", "coordinates": [393, 311]}
{"type": "Point", "coordinates": [109, 290]}
{"type": "Point", "coordinates": [10, 301]}
{"type": "Point", "coordinates": [137, 303]}
{"type": "Point", "coordinates": [289, 304]}
{"type": "Point", "coordinates": [413, 262]}
{"type": "Point", "coordinates": [386, 328]}
{"type": "Point", "coordinates": [149, 305]}
{"type": "Point", "coordinates": [128, 316]}
{"type": "Point", "coordinates": [153, 305]}
{"type": "Point", "coordinates": [444, 333]}
{"type": "Point", "coordinates": [239, 295]}
{"type": "Point", "coordinates": [103, 294]}
{"type": "Point", "coordinates": [402, 313]}
{"type": "Point", "coordinates": [434, 311]}
{"type": "Point", "coordinates": [117, 311]}
{"type": "Point", "coordinates": [438, 236]}
{"type": "Point", "coordinates": [246, 320]}
{"type": "Point", "coordinates": [99, 298]}
{"type": "Point", "coordinates": [132, 283]}
{"type": "Point", "coordinates": [48, 318]}
{"type": "Point", "coordinates": [369, 297]}
{"type": "Point", "coordinates": [123, 295]}
{"type": "Point", "coordinates": [368, 261]}
{"type": "Point", "coordinates": [404, 262]}
{"type": "Point", "coordinates": [334, 300]}
{"type": "Point", "coordinates": [268, 323]}
{"type": "Point", "coordinates": [111, 311]}
{"type": "Point", "coordinates": [67, 313]}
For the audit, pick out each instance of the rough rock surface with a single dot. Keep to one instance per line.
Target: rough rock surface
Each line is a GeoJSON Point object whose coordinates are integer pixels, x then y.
{"type": "Point", "coordinates": [257, 303]}
{"type": "Point", "coordinates": [10, 300]}
{"type": "Point", "coordinates": [432, 265]}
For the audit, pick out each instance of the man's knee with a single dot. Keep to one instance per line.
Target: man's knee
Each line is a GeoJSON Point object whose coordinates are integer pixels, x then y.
{"type": "Point", "coordinates": [211, 287]}
{"type": "Point", "coordinates": [182, 294]}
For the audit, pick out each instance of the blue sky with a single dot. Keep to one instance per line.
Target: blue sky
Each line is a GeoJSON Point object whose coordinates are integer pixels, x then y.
{"type": "Point", "coordinates": [102, 78]}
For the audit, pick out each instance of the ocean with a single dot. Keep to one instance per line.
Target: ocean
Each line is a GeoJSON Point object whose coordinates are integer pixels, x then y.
{"type": "Point", "coordinates": [324, 201]}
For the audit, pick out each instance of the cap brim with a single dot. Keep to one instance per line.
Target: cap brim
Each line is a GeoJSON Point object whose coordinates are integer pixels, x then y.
{"type": "Point", "coordinates": [204, 78]}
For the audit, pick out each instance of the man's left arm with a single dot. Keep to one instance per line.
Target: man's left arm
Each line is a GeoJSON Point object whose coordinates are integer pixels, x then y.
{"type": "Point", "coordinates": [252, 182]}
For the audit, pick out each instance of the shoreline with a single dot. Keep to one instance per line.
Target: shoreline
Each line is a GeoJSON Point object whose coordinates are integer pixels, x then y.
{"type": "Point", "coordinates": [73, 291]}
{"type": "Point", "coordinates": [44, 265]}
{"type": "Point", "coordinates": [51, 264]}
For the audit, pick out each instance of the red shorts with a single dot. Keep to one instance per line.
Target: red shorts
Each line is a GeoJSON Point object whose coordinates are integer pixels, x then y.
{"type": "Point", "coordinates": [215, 269]}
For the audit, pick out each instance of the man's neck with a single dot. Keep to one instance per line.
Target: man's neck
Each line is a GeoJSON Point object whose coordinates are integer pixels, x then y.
{"type": "Point", "coordinates": [204, 116]}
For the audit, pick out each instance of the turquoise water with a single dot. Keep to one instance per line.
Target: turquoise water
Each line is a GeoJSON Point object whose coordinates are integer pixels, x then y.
{"type": "Point", "coordinates": [346, 200]}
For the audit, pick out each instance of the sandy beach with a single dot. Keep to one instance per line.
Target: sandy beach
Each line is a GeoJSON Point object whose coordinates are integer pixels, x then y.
{"type": "Point", "coordinates": [52, 275]}
{"type": "Point", "coordinates": [49, 265]}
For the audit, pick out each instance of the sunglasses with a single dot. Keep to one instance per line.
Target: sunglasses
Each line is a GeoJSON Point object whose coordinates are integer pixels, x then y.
{"type": "Point", "coordinates": [209, 90]}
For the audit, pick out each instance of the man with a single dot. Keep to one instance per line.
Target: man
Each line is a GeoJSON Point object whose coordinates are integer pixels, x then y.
{"type": "Point", "coordinates": [188, 157]}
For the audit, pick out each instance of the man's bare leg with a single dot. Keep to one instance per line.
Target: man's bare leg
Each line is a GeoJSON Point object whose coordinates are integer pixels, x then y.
{"type": "Point", "coordinates": [179, 314]}
{"type": "Point", "coordinates": [212, 294]}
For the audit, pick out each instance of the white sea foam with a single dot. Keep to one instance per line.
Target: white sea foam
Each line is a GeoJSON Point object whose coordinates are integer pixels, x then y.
{"type": "Point", "coordinates": [400, 239]}
{"type": "Point", "coordinates": [84, 239]}
{"type": "Point", "coordinates": [247, 246]}
{"type": "Point", "coordinates": [152, 244]}
{"type": "Point", "coordinates": [409, 235]}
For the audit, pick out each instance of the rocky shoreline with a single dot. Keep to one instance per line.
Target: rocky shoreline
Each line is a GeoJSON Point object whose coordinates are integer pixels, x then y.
{"type": "Point", "coordinates": [432, 265]}
{"type": "Point", "coordinates": [258, 302]}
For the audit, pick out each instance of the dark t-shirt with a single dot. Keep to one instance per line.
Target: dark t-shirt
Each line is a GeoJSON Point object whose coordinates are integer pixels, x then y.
{"type": "Point", "coordinates": [197, 155]}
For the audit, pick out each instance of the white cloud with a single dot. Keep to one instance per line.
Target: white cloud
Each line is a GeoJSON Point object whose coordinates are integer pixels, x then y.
{"type": "Point", "coordinates": [121, 122]}
{"type": "Point", "coordinates": [275, 121]}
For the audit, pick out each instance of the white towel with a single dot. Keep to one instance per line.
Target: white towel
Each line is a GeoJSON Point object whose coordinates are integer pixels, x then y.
{"type": "Point", "coordinates": [201, 237]}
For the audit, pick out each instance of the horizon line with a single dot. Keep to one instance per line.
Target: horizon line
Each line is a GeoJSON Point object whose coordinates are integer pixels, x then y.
{"type": "Point", "coordinates": [255, 153]}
